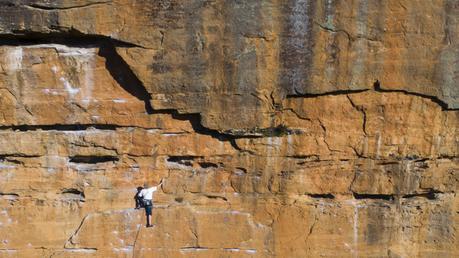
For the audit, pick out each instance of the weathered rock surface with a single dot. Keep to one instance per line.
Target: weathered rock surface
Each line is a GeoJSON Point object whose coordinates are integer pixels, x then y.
{"type": "Point", "coordinates": [294, 128]}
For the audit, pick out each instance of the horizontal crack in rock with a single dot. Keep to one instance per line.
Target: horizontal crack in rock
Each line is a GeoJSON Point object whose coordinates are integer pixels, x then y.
{"type": "Point", "coordinates": [376, 88]}
{"type": "Point", "coordinates": [322, 196]}
{"type": "Point", "coordinates": [44, 7]}
{"type": "Point", "coordinates": [329, 93]}
{"type": "Point", "coordinates": [435, 99]}
{"type": "Point", "coordinates": [71, 37]}
{"type": "Point", "coordinates": [386, 197]}
{"type": "Point", "coordinates": [93, 159]}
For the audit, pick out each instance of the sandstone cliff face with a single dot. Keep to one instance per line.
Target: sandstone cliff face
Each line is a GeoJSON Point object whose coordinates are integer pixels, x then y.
{"type": "Point", "coordinates": [296, 128]}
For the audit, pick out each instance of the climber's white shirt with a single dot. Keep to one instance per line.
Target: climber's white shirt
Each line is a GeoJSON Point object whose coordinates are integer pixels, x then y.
{"type": "Point", "coordinates": [148, 192]}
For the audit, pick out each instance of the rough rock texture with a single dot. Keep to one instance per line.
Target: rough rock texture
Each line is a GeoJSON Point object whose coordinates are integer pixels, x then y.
{"type": "Point", "coordinates": [281, 128]}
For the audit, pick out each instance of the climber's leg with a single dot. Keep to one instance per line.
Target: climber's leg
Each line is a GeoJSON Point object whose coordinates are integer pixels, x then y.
{"type": "Point", "coordinates": [148, 210]}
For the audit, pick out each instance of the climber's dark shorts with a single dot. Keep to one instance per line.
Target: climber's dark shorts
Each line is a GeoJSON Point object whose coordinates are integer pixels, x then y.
{"type": "Point", "coordinates": [148, 209]}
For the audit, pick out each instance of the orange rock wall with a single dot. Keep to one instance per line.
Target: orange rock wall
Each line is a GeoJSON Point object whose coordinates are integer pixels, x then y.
{"type": "Point", "coordinates": [296, 128]}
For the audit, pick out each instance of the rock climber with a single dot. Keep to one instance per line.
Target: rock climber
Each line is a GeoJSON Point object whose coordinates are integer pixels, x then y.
{"type": "Point", "coordinates": [147, 196]}
{"type": "Point", "coordinates": [138, 199]}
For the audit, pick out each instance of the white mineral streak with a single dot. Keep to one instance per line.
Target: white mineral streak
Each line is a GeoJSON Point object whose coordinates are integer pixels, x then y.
{"type": "Point", "coordinates": [88, 65]}
{"type": "Point", "coordinates": [13, 60]}
{"type": "Point", "coordinates": [69, 88]}
{"type": "Point", "coordinates": [83, 60]}
{"type": "Point", "coordinates": [119, 100]}
{"type": "Point", "coordinates": [355, 226]}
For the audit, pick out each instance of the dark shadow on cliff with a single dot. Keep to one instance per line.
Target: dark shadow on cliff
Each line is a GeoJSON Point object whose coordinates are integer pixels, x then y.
{"type": "Point", "coordinates": [195, 121]}
{"type": "Point", "coordinates": [123, 75]}
{"type": "Point", "coordinates": [71, 38]}
{"type": "Point", "coordinates": [114, 63]}
{"type": "Point", "coordinates": [120, 71]}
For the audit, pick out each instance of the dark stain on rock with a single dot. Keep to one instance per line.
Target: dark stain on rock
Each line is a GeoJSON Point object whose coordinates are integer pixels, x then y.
{"type": "Point", "coordinates": [451, 8]}
{"type": "Point", "coordinates": [440, 226]}
{"type": "Point", "coordinates": [378, 227]}
{"type": "Point", "coordinates": [165, 14]}
{"type": "Point", "coordinates": [160, 68]}
{"type": "Point", "coordinates": [18, 17]}
{"type": "Point", "coordinates": [195, 63]}
{"type": "Point", "coordinates": [296, 45]}
{"type": "Point", "coordinates": [446, 73]}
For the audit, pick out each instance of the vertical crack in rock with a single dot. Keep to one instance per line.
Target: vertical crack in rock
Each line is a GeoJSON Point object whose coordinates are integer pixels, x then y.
{"type": "Point", "coordinates": [324, 129]}
{"type": "Point", "coordinates": [70, 240]}
{"type": "Point", "coordinates": [194, 230]}
{"type": "Point", "coordinates": [357, 153]}
{"type": "Point", "coordinates": [360, 109]}
{"type": "Point", "coordinates": [135, 240]}
{"type": "Point", "coordinates": [162, 37]}
{"type": "Point", "coordinates": [311, 229]}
